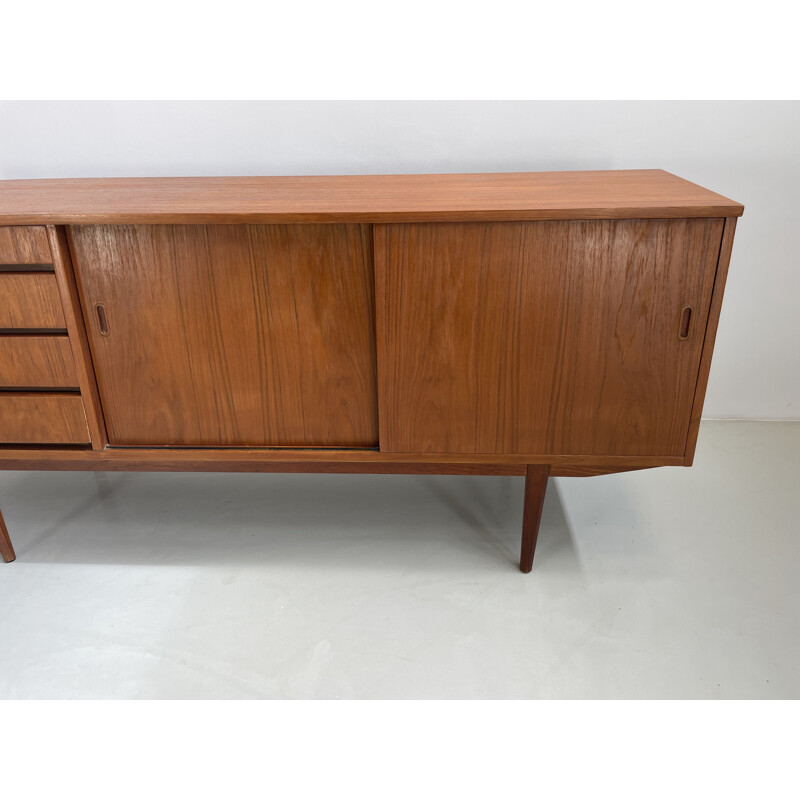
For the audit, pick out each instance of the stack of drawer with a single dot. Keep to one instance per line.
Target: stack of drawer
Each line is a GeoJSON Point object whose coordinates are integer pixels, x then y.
{"type": "Point", "coordinates": [40, 402]}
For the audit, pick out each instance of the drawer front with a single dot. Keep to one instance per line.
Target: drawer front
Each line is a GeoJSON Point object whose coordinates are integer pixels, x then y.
{"type": "Point", "coordinates": [50, 418]}
{"type": "Point", "coordinates": [30, 300]}
{"type": "Point", "coordinates": [37, 362]}
{"type": "Point", "coordinates": [24, 245]}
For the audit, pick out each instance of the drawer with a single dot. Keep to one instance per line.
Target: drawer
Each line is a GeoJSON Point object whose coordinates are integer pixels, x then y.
{"type": "Point", "coordinates": [30, 300]}
{"type": "Point", "coordinates": [42, 418]}
{"type": "Point", "coordinates": [37, 362]}
{"type": "Point", "coordinates": [20, 244]}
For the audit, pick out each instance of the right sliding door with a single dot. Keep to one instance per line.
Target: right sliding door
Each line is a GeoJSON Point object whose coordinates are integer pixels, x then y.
{"type": "Point", "coordinates": [542, 338]}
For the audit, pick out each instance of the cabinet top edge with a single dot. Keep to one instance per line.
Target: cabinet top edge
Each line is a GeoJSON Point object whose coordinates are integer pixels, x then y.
{"type": "Point", "coordinates": [447, 197]}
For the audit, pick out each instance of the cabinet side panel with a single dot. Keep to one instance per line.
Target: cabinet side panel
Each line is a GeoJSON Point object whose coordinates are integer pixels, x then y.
{"type": "Point", "coordinates": [543, 337]}
{"type": "Point", "coordinates": [726, 248]}
{"type": "Point", "coordinates": [232, 335]}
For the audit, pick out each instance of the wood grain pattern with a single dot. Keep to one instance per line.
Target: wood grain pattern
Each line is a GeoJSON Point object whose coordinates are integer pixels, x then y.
{"type": "Point", "coordinates": [6, 548]}
{"type": "Point", "coordinates": [538, 336]}
{"type": "Point", "coordinates": [610, 194]}
{"type": "Point", "coordinates": [65, 278]}
{"type": "Point", "coordinates": [723, 262]}
{"type": "Point", "coordinates": [51, 418]}
{"type": "Point", "coordinates": [63, 460]}
{"type": "Point", "coordinates": [543, 337]}
{"type": "Point", "coordinates": [535, 490]}
{"type": "Point", "coordinates": [232, 335]}
{"type": "Point", "coordinates": [281, 459]}
{"type": "Point", "coordinates": [30, 300]}
{"type": "Point", "coordinates": [37, 362]}
{"type": "Point", "coordinates": [20, 245]}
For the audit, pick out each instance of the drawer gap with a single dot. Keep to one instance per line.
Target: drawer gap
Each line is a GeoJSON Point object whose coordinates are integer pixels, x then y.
{"type": "Point", "coordinates": [33, 332]}
{"type": "Point", "coordinates": [27, 268]}
{"type": "Point", "coordinates": [266, 447]}
{"type": "Point", "coordinates": [7, 446]}
{"type": "Point", "coordinates": [40, 389]}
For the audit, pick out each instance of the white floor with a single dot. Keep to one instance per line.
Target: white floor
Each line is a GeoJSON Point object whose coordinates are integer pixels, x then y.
{"type": "Point", "coordinates": [668, 583]}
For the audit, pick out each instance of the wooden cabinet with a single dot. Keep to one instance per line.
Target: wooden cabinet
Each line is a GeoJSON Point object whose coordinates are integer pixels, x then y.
{"type": "Point", "coordinates": [528, 324]}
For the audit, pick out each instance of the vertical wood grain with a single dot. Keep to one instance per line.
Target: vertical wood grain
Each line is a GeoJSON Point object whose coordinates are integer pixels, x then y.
{"type": "Point", "coordinates": [232, 334]}
{"type": "Point", "coordinates": [726, 248]}
{"type": "Point", "coordinates": [382, 371]}
{"type": "Point", "coordinates": [65, 277]}
{"type": "Point", "coordinates": [541, 337]}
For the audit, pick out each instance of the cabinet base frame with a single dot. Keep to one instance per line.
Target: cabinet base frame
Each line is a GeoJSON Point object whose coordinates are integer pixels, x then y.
{"type": "Point", "coordinates": [363, 462]}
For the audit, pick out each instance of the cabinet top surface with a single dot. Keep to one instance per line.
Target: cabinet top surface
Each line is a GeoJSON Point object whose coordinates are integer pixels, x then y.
{"type": "Point", "coordinates": [609, 194]}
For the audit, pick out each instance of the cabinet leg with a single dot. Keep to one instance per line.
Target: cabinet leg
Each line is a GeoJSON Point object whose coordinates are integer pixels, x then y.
{"type": "Point", "coordinates": [6, 550]}
{"type": "Point", "coordinates": [535, 488]}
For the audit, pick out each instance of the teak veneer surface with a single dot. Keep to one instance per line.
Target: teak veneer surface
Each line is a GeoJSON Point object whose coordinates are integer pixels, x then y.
{"type": "Point", "coordinates": [711, 333]}
{"type": "Point", "coordinates": [23, 245]}
{"type": "Point", "coordinates": [537, 324]}
{"type": "Point", "coordinates": [46, 418]}
{"type": "Point", "coordinates": [307, 460]}
{"type": "Point", "coordinates": [65, 277]}
{"type": "Point", "coordinates": [37, 362]}
{"type": "Point", "coordinates": [232, 334]}
{"type": "Point", "coordinates": [30, 300]}
{"type": "Point", "coordinates": [611, 194]}
{"type": "Point", "coordinates": [541, 337]}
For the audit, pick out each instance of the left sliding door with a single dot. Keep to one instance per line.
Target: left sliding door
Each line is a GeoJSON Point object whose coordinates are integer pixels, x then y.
{"type": "Point", "coordinates": [231, 335]}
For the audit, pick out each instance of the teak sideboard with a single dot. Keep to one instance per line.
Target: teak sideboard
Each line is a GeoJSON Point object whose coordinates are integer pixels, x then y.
{"type": "Point", "coordinates": [530, 324]}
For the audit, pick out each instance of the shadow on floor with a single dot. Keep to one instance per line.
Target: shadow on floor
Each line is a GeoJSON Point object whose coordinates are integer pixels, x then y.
{"type": "Point", "coordinates": [418, 522]}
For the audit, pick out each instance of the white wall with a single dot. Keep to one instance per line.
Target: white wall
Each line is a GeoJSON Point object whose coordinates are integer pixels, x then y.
{"type": "Point", "coordinates": [749, 151]}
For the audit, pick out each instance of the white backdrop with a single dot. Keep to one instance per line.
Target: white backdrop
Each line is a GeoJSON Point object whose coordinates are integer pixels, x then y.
{"type": "Point", "coordinates": [749, 151]}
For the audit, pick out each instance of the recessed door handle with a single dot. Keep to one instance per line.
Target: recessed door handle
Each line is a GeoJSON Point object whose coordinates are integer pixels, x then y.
{"type": "Point", "coordinates": [102, 320]}
{"type": "Point", "coordinates": [685, 323]}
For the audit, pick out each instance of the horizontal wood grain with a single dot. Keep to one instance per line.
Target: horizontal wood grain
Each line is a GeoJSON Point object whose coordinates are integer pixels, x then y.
{"type": "Point", "coordinates": [276, 460]}
{"type": "Point", "coordinates": [541, 337]}
{"type": "Point", "coordinates": [59, 461]}
{"type": "Point", "coordinates": [51, 418]}
{"type": "Point", "coordinates": [24, 245]}
{"type": "Point", "coordinates": [232, 335]}
{"type": "Point", "coordinates": [611, 194]}
{"type": "Point", "coordinates": [37, 362]}
{"type": "Point", "coordinates": [30, 300]}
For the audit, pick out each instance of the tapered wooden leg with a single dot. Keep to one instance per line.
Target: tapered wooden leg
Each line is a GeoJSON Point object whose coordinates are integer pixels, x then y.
{"type": "Point", "coordinates": [535, 488]}
{"type": "Point", "coordinates": [6, 550]}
